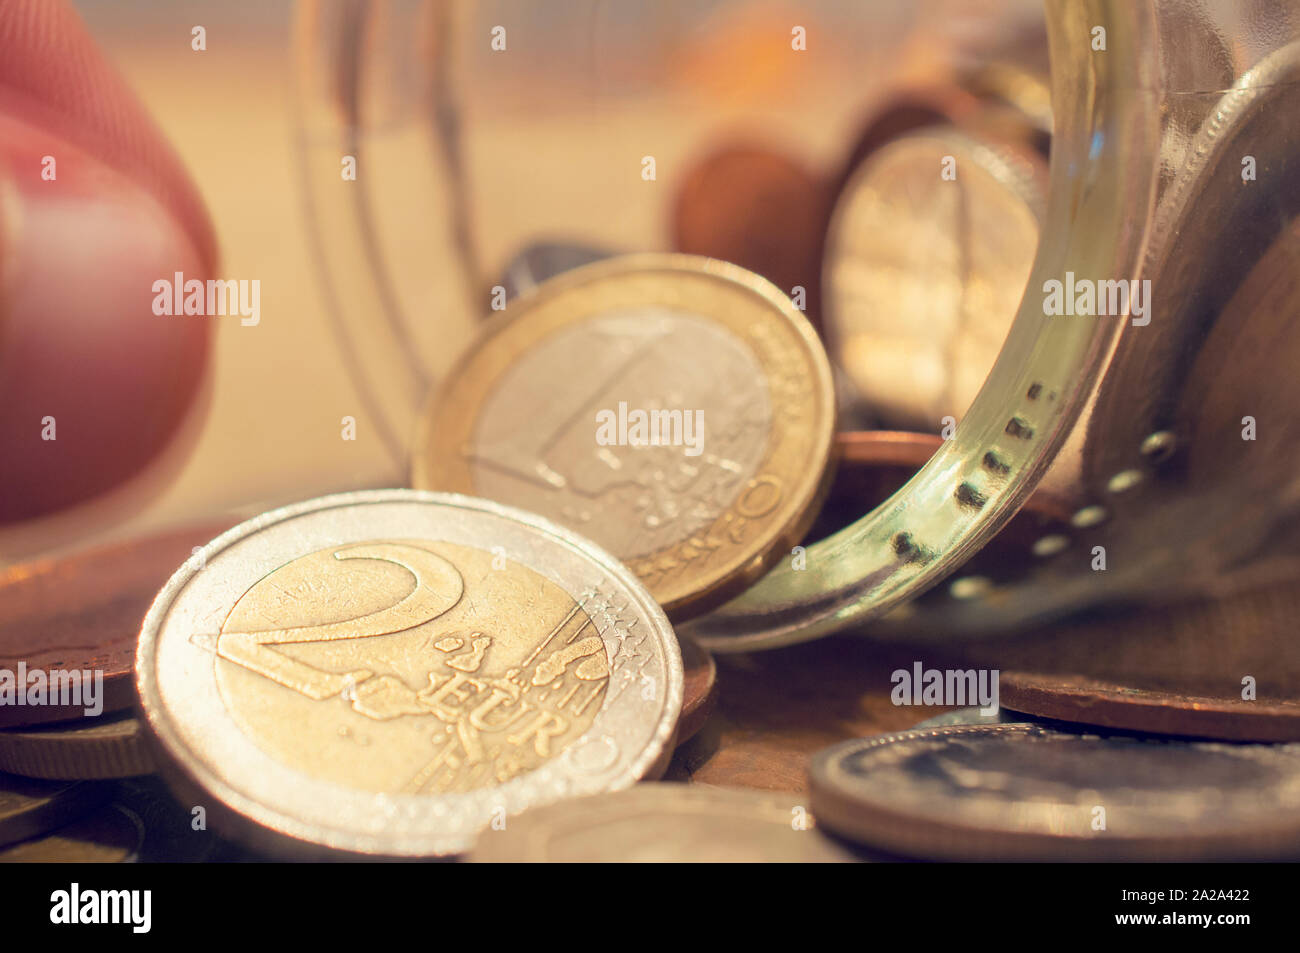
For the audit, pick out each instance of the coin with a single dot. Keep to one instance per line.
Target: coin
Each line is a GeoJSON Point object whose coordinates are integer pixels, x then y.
{"type": "Point", "coordinates": [886, 448]}
{"type": "Point", "coordinates": [1025, 792]}
{"type": "Point", "coordinates": [1017, 101]}
{"type": "Point", "coordinates": [969, 716]}
{"type": "Point", "coordinates": [109, 747]}
{"type": "Point", "coordinates": [29, 808]}
{"type": "Point", "coordinates": [665, 823]}
{"type": "Point", "coordinates": [173, 832]}
{"type": "Point", "coordinates": [1093, 701]}
{"type": "Point", "coordinates": [907, 110]}
{"type": "Point", "coordinates": [764, 211]}
{"type": "Point", "coordinates": [552, 410]}
{"type": "Point", "coordinates": [700, 688]}
{"type": "Point", "coordinates": [542, 261]}
{"type": "Point", "coordinates": [109, 835]}
{"type": "Point", "coordinates": [385, 672]}
{"type": "Point", "coordinates": [927, 255]}
{"type": "Point", "coordinates": [81, 612]}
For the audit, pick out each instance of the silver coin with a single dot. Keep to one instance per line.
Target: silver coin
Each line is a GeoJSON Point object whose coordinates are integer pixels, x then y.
{"type": "Point", "coordinates": [665, 823]}
{"type": "Point", "coordinates": [386, 672]}
{"type": "Point", "coordinates": [1020, 792]}
{"type": "Point", "coordinates": [971, 716]}
{"type": "Point", "coordinates": [542, 261]}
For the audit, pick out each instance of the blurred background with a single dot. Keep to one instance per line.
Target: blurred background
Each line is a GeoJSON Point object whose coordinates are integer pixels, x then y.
{"type": "Point", "coordinates": [552, 133]}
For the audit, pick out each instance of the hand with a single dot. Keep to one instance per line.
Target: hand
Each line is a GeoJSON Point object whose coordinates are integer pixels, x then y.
{"type": "Point", "coordinates": [94, 207]}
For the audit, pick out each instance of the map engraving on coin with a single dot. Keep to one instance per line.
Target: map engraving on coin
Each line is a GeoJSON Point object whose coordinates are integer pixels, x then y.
{"type": "Point", "coordinates": [386, 672]}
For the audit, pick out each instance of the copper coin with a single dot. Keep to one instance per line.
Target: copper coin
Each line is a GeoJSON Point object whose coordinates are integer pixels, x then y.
{"type": "Point", "coordinates": [1092, 701]}
{"type": "Point", "coordinates": [81, 612]}
{"type": "Point", "coordinates": [969, 716]}
{"type": "Point", "coordinates": [541, 261]}
{"type": "Point", "coordinates": [700, 690]}
{"type": "Point", "coordinates": [886, 448]}
{"type": "Point", "coordinates": [756, 208]}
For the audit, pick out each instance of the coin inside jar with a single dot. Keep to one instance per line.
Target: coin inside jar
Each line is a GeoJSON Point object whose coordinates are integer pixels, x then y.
{"type": "Point", "coordinates": [677, 410]}
{"type": "Point", "coordinates": [386, 672]}
{"type": "Point", "coordinates": [927, 255]}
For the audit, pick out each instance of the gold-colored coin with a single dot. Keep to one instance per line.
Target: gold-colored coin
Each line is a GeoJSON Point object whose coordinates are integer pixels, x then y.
{"type": "Point", "coordinates": [387, 672]}
{"type": "Point", "coordinates": [927, 257]}
{"type": "Point", "coordinates": [676, 410]}
{"type": "Point", "coordinates": [108, 747]}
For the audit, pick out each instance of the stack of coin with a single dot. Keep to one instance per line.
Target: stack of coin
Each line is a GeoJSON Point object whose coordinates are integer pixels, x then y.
{"type": "Point", "coordinates": [67, 655]}
{"type": "Point", "coordinates": [516, 721]}
{"type": "Point", "coordinates": [388, 673]}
